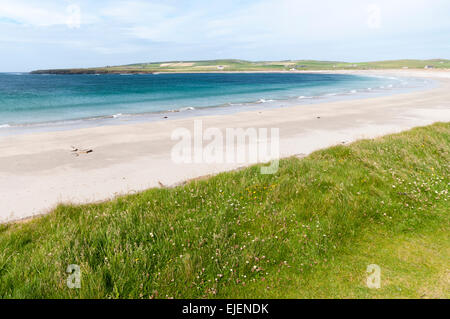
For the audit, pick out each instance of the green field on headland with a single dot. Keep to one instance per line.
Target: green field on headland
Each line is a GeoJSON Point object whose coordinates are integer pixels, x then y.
{"type": "Point", "coordinates": [241, 65]}
{"type": "Point", "coordinates": [308, 231]}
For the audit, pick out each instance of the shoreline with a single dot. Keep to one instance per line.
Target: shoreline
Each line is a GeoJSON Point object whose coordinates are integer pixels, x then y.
{"type": "Point", "coordinates": [404, 85]}
{"type": "Point", "coordinates": [330, 71]}
{"type": "Point", "coordinates": [38, 170]}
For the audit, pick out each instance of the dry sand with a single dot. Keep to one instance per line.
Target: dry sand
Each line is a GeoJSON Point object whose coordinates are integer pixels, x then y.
{"type": "Point", "coordinates": [38, 171]}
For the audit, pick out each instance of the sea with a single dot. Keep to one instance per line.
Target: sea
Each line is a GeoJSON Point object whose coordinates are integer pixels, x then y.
{"type": "Point", "coordinates": [41, 102]}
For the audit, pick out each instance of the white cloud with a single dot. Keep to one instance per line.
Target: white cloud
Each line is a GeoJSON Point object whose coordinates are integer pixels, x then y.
{"type": "Point", "coordinates": [136, 11]}
{"type": "Point", "coordinates": [31, 14]}
{"type": "Point", "coordinates": [73, 20]}
{"type": "Point", "coordinates": [374, 16]}
{"type": "Point", "coordinates": [47, 13]}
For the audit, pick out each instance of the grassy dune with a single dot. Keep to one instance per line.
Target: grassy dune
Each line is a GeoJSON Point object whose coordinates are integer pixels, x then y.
{"type": "Point", "coordinates": [241, 65]}
{"type": "Point", "coordinates": [310, 230]}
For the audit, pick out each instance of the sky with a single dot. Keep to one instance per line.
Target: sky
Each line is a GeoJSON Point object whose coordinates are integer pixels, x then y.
{"type": "Point", "coordinates": [42, 34]}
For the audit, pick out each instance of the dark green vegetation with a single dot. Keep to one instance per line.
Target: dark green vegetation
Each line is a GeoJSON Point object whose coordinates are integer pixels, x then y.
{"type": "Point", "coordinates": [241, 65]}
{"type": "Point", "coordinates": [310, 230]}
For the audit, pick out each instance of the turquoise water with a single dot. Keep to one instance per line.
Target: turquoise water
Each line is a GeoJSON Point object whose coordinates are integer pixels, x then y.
{"type": "Point", "coordinates": [27, 99]}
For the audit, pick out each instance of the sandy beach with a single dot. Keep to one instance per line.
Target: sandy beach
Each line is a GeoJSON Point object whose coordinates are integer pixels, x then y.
{"type": "Point", "coordinates": [38, 171]}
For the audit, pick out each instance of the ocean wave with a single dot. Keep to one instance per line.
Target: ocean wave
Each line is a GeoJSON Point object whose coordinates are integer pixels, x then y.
{"type": "Point", "coordinates": [384, 77]}
{"type": "Point", "coordinates": [233, 104]}
{"type": "Point", "coordinates": [4, 125]}
{"type": "Point", "coordinates": [264, 101]}
{"type": "Point", "coordinates": [183, 109]}
{"type": "Point", "coordinates": [189, 108]}
{"type": "Point", "coordinates": [117, 115]}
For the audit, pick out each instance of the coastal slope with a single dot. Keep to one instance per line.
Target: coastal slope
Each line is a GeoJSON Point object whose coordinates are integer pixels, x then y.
{"type": "Point", "coordinates": [315, 229]}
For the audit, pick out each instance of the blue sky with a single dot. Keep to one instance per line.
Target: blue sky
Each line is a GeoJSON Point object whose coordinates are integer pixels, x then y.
{"type": "Point", "coordinates": [68, 33]}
